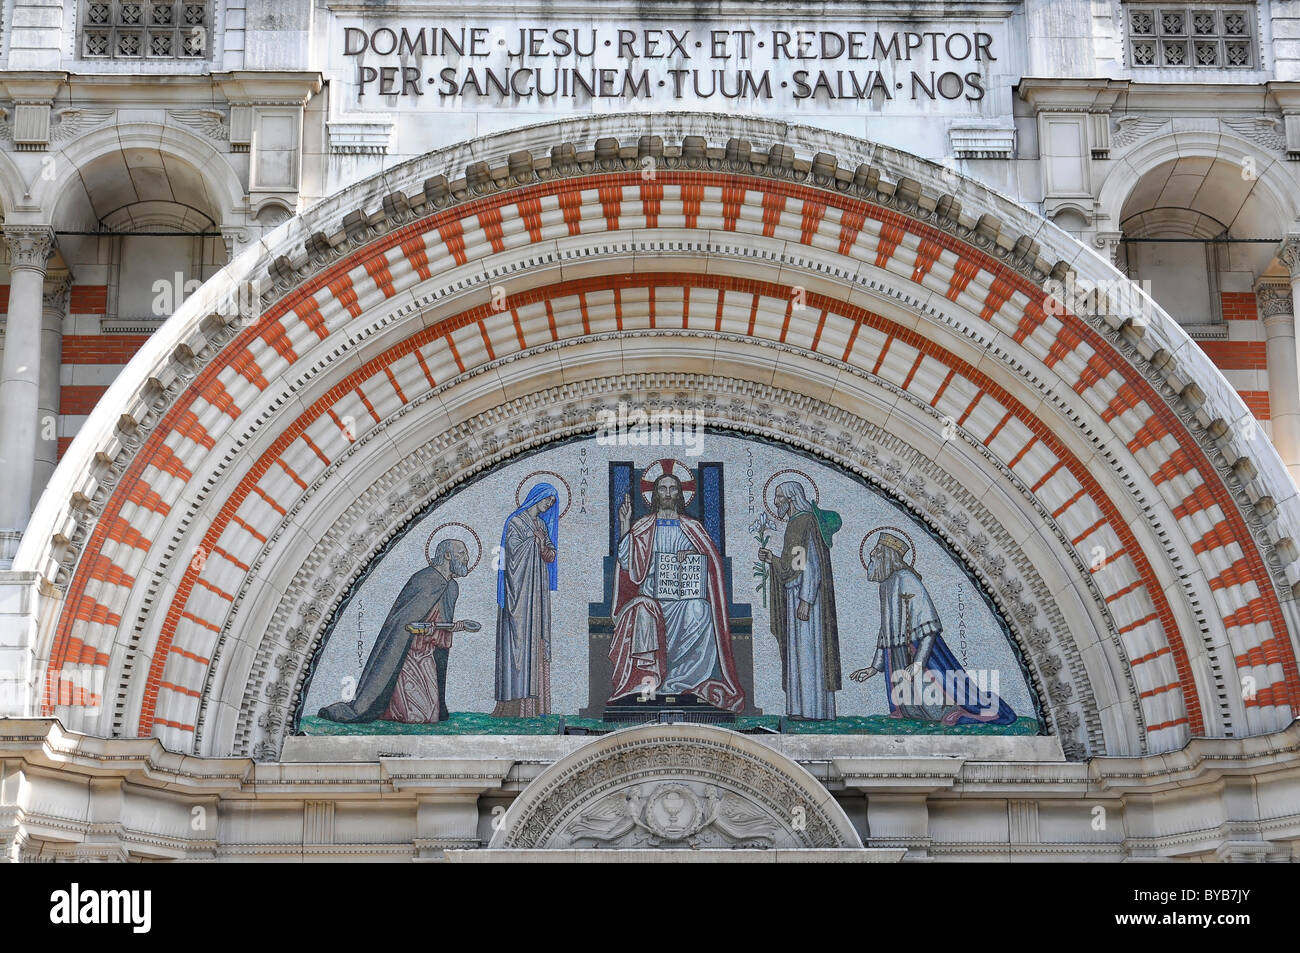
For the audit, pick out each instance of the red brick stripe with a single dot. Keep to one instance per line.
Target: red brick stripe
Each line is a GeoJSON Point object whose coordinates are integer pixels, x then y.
{"type": "Point", "coordinates": [692, 198]}
{"type": "Point", "coordinates": [453, 236]}
{"type": "Point", "coordinates": [963, 272]}
{"type": "Point", "coordinates": [890, 236]}
{"type": "Point", "coordinates": [926, 255]}
{"type": "Point", "coordinates": [1239, 306]}
{"type": "Point", "coordinates": [611, 204]}
{"type": "Point", "coordinates": [999, 292]}
{"type": "Point", "coordinates": [490, 219]}
{"type": "Point", "coordinates": [397, 388]}
{"type": "Point", "coordinates": [83, 299]}
{"type": "Point", "coordinates": [418, 255]}
{"type": "Point", "coordinates": [292, 474]}
{"type": "Point", "coordinates": [103, 568]}
{"type": "Point", "coordinates": [1258, 403]}
{"type": "Point", "coordinates": [812, 220]}
{"type": "Point", "coordinates": [341, 287]}
{"type": "Point", "coordinates": [851, 223]}
{"type": "Point", "coordinates": [214, 590]}
{"type": "Point", "coordinates": [79, 399]}
{"type": "Point", "coordinates": [571, 207]}
{"type": "Point", "coordinates": [1011, 464]}
{"type": "Point", "coordinates": [101, 348]}
{"type": "Point", "coordinates": [1202, 498]}
{"type": "Point", "coordinates": [773, 206]}
{"type": "Point", "coordinates": [652, 197]}
{"type": "Point", "coordinates": [1236, 355]}
{"type": "Point", "coordinates": [530, 210]}
{"type": "Point", "coordinates": [733, 197]}
{"type": "Point", "coordinates": [377, 268]}
{"type": "Point", "coordinates": [1163, 650]}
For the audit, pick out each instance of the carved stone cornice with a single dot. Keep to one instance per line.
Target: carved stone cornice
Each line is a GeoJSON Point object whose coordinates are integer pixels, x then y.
{"type": "Point", "coordinates": [268, 87]}
{"type": "Point", "coordinates": [29, 246]}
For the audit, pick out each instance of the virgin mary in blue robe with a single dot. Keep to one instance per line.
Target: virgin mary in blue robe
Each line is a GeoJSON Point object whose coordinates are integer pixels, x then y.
{"type": "Point", "coordinates": [526, 577]}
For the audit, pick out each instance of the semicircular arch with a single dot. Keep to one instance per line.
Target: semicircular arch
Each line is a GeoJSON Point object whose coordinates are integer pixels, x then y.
{"type": "Point", "coordinates": [225, 198]}
{"type": "Point", "coordinates": [708, 773]}
{"type": "Point", "coordinates": [1033, 383]}
{"type": "Point", "coordinates": [1272, 175]}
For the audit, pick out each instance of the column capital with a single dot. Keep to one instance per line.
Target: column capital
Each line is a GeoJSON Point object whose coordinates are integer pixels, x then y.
{"type": "Point", "coordinates": [54, 294]}
{"type": "Point", "coordinates": [29, 246]}
{"type": "Point", "coordinates": [1289, 253]}
{"type": "Point", "coordinates": [1273, 298]}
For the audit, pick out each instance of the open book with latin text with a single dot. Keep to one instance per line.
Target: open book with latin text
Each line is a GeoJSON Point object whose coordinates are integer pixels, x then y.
{"type": "Point", "coordinates": [680, 579]}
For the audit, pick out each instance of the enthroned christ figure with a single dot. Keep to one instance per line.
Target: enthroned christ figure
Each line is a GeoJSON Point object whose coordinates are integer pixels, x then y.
{"type": "Point", "coordinates": [671, 634]}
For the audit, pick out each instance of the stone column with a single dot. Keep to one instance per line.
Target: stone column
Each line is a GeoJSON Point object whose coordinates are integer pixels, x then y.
{"type": "Point", "coordinates": [54, 310]}
{"type": "Point", "coordinates": [29, 248]}
{"type": "Point", "coordinates": [1273, 298]}
{"type": "Point", "coordinates": [1284, 393]}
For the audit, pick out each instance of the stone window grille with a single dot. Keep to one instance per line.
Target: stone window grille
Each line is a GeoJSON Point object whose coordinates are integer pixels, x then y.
{"type": "Point", "coordinates": [1185, 36]}
{"type": "Point", "coordinates": [157, 30]}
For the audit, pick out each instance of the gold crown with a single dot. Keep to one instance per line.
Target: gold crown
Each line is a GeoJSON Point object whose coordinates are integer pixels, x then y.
{"type": "Point", "coordinates": [894, 543]}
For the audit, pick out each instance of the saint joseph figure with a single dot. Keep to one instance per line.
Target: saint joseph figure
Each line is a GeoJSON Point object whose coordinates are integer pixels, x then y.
{"type": "Point", "coordinates": [525, 580]}
{"type": "Point", "coordinates": [670, 643]}
{"type": "Point", "coordinates": [924, 679]}
{"type": "Point", "coordinates": [802, 599]}
{"type": "Point", "coordinates": [405, 678]}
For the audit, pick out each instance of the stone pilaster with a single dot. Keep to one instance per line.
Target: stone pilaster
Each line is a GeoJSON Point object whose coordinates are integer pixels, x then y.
{"type": "Point", "coordinates": [1276, 302]}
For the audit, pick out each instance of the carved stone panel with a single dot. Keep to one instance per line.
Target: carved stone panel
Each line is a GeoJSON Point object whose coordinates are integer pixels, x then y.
{"type": "Point", "coordinates": [675, 786]}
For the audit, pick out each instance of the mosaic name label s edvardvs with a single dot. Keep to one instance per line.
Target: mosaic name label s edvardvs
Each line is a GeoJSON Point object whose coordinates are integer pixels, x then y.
{"type": "Point", "coordinates": [565, 63]}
